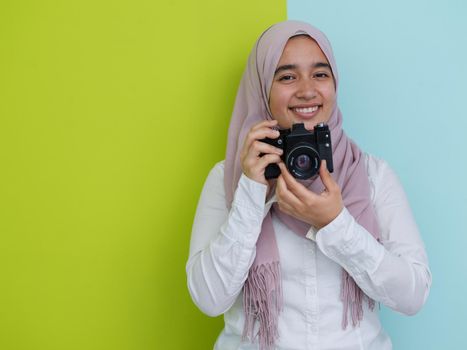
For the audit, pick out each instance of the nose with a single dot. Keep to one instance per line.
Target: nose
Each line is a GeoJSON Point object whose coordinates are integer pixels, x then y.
{"type": "Point", "coordinates": [306, 89]}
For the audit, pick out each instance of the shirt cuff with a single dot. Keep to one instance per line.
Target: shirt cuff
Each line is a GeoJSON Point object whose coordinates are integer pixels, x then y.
{"type": "Point", "coordinates": [350, 245]}
{"type": "Point", "coordinates": [246, 215]}
{"type": "Point", "coordinates": [250, 194]}
{"type": "Point", "coordinates": [311, 234]}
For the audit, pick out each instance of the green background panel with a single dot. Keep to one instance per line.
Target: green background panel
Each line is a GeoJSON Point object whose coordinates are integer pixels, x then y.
{"type": "Point", "coordinates": [111, 115]}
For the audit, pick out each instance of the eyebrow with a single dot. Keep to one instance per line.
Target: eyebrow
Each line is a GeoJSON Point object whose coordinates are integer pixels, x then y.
{"type": "Point", "coordinates": [294, 66]}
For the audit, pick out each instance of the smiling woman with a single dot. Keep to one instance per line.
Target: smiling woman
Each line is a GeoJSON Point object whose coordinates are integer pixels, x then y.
{"type": "Point", "coordinates": [303, 89]}
{"type": "Point", "coordinates": [300, 264]}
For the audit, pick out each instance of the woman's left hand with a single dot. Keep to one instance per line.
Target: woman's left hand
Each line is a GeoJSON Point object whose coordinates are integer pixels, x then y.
{"type": "Point", "coordinates": [316, 209]}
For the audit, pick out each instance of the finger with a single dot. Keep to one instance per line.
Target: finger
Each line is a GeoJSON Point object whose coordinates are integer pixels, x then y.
{"type": "Point", "coordinates": [252, 155]}
{"type": "Point", "coordinates": [326, 177]}
{"type": "Point", "coordinates": [265, 123]}
{"type": "Point", "coordinates": [264, 132]}
{"type": "Point", "coordinates": [265, 160]}
{"type": "Point", "coordinates": [299, 191]}
{"type": "Point", "coordinates": [286, 208]}
{"type": "Point", "coordinates": [259, 147]}
{"type": "Point", "coordinates": [259, 134]}
{"type": "Point", "coordinates": [288, 178]}
{"type": "Point", "coordinates": [284, 195]}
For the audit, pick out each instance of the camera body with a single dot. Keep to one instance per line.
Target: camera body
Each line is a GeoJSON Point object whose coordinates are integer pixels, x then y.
{"type": "Point", "coordinates": [303, 151]}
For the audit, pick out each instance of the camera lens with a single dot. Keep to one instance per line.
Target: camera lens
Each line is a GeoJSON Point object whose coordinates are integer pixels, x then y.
{"type": "Point", "coordinates": [303, 162]}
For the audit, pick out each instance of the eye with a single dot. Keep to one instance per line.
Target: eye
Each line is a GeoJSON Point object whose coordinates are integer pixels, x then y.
{"type": "Point", "coordinates": [286, 77]}
{"type": "Point", "coordinates": [321, 75]}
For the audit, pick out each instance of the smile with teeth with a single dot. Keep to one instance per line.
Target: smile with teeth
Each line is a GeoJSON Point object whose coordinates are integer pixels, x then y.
{"type": "Point", "coordinates": [306, 110]}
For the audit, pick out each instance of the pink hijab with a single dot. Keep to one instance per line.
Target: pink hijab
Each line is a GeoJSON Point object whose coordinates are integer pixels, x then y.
{"type": "Point", "coordinates": [262, 295]}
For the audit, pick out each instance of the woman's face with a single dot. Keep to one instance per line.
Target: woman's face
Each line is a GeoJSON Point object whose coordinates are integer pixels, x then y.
{"type": "Point", "coordinates": [303, 89]}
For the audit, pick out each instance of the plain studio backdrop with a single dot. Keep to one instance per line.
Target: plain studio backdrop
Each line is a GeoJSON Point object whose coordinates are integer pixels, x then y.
{"type": "Point", "coordinates": [113, 112]}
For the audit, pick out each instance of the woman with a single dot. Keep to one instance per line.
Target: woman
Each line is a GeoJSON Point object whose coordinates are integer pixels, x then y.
{"type": "Point", "coordinates": [299, 264]}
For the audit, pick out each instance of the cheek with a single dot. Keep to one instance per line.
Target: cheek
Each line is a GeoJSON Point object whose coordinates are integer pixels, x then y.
{"type": "Point", "coordinates": [330, 95]}
{"type": "Point", "coordinates": [278, 101]}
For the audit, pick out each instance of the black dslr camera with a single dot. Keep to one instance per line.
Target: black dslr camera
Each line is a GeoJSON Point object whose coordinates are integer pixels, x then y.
{"type": "Point", "coordinates": [303, 151]}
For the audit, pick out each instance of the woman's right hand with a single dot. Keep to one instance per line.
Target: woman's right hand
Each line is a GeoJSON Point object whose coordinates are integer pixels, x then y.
{"type": "Point", "coordinates": [254, 165]}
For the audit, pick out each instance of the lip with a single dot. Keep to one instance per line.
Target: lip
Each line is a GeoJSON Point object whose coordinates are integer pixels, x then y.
{"type": "Point", "coordinates": [305, 105]}
{"type": "Point", "coordinates": [305, 115]}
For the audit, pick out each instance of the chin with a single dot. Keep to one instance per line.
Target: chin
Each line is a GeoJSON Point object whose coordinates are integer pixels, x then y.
{"type": "Point", "coordinates": [310, 124]}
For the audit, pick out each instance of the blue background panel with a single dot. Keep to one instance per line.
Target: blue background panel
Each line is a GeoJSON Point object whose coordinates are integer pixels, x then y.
{"type": "Point", "coordinates": [403, 73]}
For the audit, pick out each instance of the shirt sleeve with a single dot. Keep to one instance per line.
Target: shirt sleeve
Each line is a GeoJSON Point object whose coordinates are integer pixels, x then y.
{"type": "Point", "coordinates": [396, 272]}
{"type": "Point", "coordinates": [223, 242]}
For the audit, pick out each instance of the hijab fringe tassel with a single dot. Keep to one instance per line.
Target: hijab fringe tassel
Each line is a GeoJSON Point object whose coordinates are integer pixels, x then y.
{"type": "Point", "coordinates": [262, 300]}
{"type": "Point", "coordinates": [352, 298]}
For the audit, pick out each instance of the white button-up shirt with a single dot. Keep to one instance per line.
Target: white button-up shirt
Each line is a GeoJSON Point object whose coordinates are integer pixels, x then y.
{"type": "Point", "coordinates": [394, 273]}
